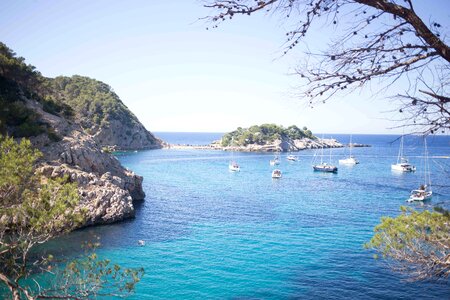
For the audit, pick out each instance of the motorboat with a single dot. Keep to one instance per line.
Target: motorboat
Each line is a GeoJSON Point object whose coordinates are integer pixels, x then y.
{"type": "Point", "coordinates": [292, 158]}
{"type": "Point", "coordinates": [234, 166]}
{"type": "Point", "coordinates": [276, 173]}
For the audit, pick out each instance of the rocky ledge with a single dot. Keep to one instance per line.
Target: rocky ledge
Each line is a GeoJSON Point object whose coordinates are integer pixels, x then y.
{"type": "Point", "coordinates": [280, 145]}
{"type": "Point", "coordinates": [106, 188]}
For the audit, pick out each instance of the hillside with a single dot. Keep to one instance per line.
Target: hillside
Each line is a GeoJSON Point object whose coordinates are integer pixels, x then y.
{"type": "Point", "coordinates": [67, 119]}
{"type": "Point", "coordinates": [101, 113]}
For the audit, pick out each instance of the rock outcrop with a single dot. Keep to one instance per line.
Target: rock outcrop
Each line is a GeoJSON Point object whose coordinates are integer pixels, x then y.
{"type": "Point", "coordinates": [282, 145]}
{"type": "Point", "coordinates": [106, 188]}
{"type": "Point", "coordinates": [101, 113]}
{"type": "Point", "coordinates": [71, 119]}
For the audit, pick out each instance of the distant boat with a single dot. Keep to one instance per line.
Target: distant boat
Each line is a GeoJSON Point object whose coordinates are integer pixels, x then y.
{"type": "Point", "coordinates": [141, 243]}
{"type": "Point", "coordinates": [292, 158]}
{"type": "Point", "coordinates": [276, 173]}
{"type": "Point", "coordinates": [323, 166]}
{"type": "Point", "coordinates": [233, 166]}
{"type": "Point", "coordinates": [402, 164]}
{"type": "Point", "coordinates": [351, 160]}
{"type": "Point", "coordinates": [275, 161]}
{"type": "Point", "coordinates": [424, 192]}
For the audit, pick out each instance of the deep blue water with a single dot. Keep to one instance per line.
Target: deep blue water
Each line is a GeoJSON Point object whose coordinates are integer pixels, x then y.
{"type": "Point", "coordinates": [212, 234]}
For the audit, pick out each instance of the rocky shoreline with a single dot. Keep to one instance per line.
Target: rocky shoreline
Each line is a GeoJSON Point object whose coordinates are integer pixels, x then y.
{"type": "Point", "coordinates": [284, 145]}
{"type": "Point", "coordinates": [106, 188]}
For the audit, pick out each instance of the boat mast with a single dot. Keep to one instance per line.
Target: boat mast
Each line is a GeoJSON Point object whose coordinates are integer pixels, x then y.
{"type": "Point", "coordinates": [350, 145]}
{"type": "Point", "coordinates": [427, 174]}
{"type": "Point", "coordinates": [321, 156]}
{"type": "Point", "coordinates": [400, 151]}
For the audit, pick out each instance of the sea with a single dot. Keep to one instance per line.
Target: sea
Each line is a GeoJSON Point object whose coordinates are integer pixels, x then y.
{"type": "Point", "coordinates": [213, 234]}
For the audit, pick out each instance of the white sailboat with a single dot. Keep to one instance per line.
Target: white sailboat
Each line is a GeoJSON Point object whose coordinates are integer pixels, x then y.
{"type": "Point", "coordinates": [424, 192]}
{"type": "Point", "coordinates": [402, 164]}
{"type": "Point", "coordinates": [351, 160]}
{"type": "Point", "coordinates": [233, 166]}
{"type": "Point", "coordinates": [323, 166]}
{"type": "Point", "coordinates": [275, 161]}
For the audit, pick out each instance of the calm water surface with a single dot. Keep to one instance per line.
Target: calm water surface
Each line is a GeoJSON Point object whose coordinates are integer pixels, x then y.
{"type": "Point", "coordinates": [213, 234]}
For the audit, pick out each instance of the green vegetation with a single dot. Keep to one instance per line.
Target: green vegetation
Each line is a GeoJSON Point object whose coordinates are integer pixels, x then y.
{"type": "Point", "coordinates": [93, 101]}
{"type": "Point", "coordinates": [264, 134]}
{"type": "Point", "coordinates": [19, 80]}
{"type": "Point", "coordinates": [35, 210]}
{"type": "Point", "coordinates": [416, 243]}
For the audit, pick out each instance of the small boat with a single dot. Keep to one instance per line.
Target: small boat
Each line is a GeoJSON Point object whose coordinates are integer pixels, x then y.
{"type": "Point", "coordinates": [275, 161]}
{"type": "Point", "coordinates": [292, 158]}
{"type": "Point", "coordinates": [141, 243]}
{"type": "Point", "coordinates": [402, 164]}
{"type": "Point", "coordinates": [276, 173]}
{"type": "Point", "coordinates": [351, 160]}
{"type": "Point", "coordinates": [324, 167]}
{"type": "Point", "coordinates": [424, 192]}
{"type": "Point", "coordinates": [234, 167]}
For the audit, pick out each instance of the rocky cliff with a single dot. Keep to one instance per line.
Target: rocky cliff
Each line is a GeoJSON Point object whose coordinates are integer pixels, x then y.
{"type": "Point", "coordinates": [102, 114]}
{"type": "Point", "coordinates": [72, 132]}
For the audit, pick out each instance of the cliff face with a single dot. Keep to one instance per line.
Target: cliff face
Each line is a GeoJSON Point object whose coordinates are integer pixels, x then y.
{"type": "Point", "coordinates": [70, 123]}
{"type": "Point", "coordinates": [106, 188]}
{"type": "Point", "coordinates": [102, 114]}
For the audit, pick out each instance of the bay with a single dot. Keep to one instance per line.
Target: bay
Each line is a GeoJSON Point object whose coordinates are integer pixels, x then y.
{"type": "Point", "coordinates": [213, 234]}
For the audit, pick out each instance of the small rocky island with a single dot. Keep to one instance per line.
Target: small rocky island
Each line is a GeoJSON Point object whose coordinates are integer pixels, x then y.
{"type": "Point", "coordinates": [269, 138]}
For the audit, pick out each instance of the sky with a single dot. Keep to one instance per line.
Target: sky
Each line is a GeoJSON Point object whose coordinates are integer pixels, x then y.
{"type": "Point", "coordinates": [177, 76]}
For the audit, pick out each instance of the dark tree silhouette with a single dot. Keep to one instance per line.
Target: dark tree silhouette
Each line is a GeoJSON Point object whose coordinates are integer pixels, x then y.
{"type": "Point", "coordinates": [382, 40]}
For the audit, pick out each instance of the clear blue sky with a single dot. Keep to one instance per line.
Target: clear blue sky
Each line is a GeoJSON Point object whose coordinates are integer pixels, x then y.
{"type": "Point", "coordinates": [177, 76]}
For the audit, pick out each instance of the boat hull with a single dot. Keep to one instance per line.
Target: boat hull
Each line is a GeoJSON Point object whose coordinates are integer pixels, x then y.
{"type": "Point", "coordinates": [403, 168]}
{"type": "Point", "coordinates": [326, 169]}
{"type": "Point", "coordinates": [348, 161]}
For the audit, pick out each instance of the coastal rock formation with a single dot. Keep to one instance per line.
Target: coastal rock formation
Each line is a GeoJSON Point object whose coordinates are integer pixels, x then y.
{"type": "Point", "coordinates": [105, 187]}
{"type": "Point", "coordinates": [101, 113]}
{"type": "Point", "coordinates": [282, 145]}
{"type": "Point", "coordinates": [70, 120]}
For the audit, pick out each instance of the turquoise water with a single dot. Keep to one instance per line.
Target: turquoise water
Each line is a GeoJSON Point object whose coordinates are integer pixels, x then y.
{"type": "Point", "coordinates": [213, 234]}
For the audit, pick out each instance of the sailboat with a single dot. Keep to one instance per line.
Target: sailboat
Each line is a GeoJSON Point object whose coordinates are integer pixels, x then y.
{"type": "Point", "coordinates": [424, 192]}
{"type": "Point", "coordinates": [351, 160]}
{"type": "Point", "coordinates": [275, 161]}
{"type": "Point", "coordinates": [233, 166]}
{"type": "Point", "coordinates": [402, 164]}
{"type": "Point", "coordinates": [323, 166]}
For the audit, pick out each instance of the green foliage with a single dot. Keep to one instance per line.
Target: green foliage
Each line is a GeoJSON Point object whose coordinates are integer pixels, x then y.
{"type": "Point", "coordinates": [263, 134]}
{"type": "Point", "coordinates": [417, 242]}
{"type": "Point", "coordinates": [93, 101]}
{"type": "Point", "coordinates": [35, 209]}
